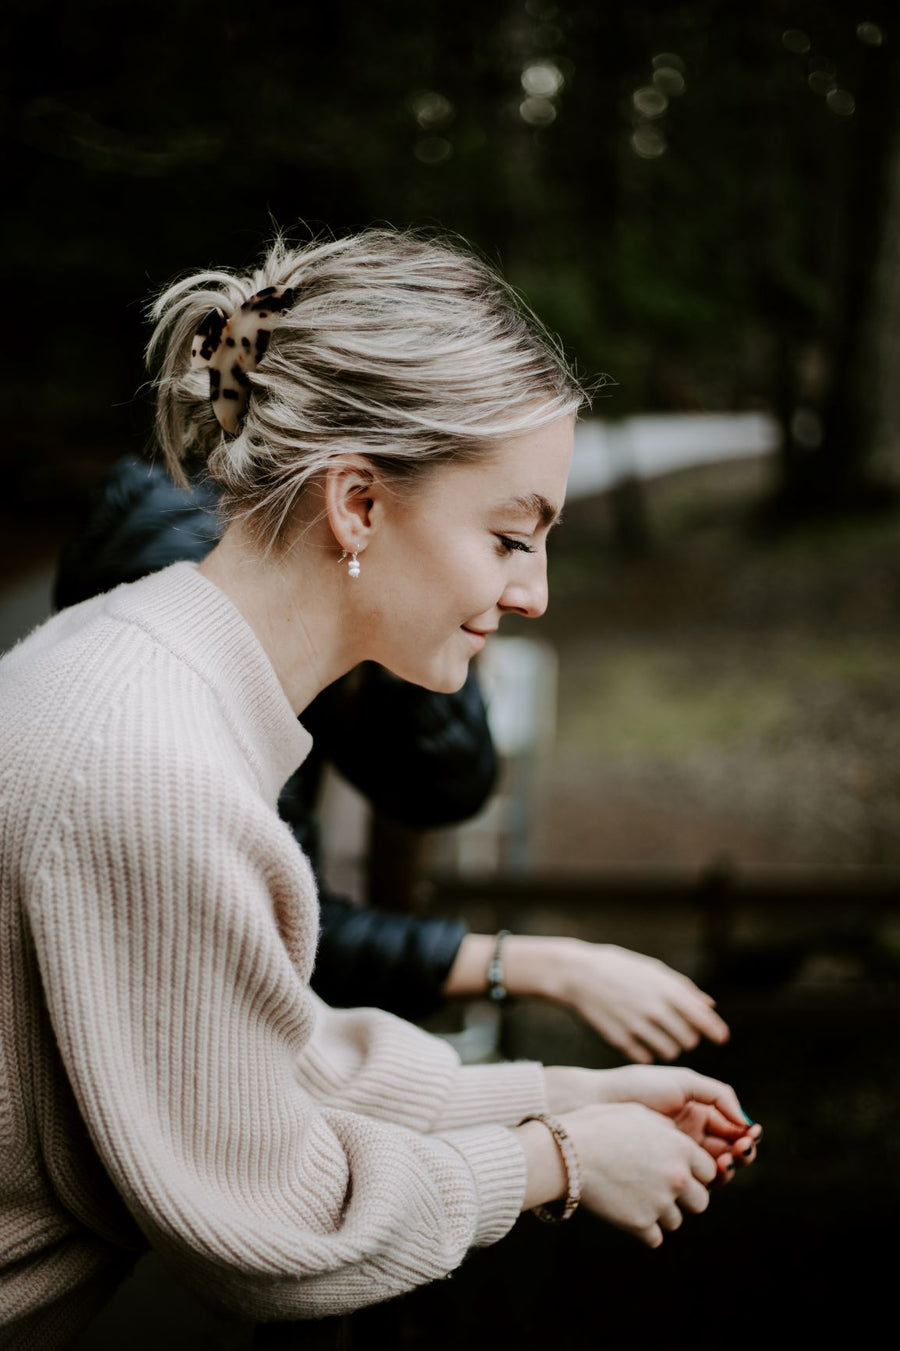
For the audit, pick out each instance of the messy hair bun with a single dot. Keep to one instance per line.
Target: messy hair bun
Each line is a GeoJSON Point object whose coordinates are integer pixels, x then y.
{"type": "Point", "coordinates": [403, 348]}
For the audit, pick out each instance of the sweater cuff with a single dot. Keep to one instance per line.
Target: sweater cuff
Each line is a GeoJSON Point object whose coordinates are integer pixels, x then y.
{"type": "Point", "coordinates": [493, 1093]}
{"type": "Point", "coordinates": [499, 1172]}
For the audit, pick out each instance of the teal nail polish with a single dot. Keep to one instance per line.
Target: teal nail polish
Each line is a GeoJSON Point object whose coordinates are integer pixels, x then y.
{"type": "Point", "coordinates": [749, 1119]}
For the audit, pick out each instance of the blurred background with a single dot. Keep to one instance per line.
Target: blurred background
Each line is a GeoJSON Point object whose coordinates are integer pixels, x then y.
{"type": "Point", "coordinates": [701, 739]}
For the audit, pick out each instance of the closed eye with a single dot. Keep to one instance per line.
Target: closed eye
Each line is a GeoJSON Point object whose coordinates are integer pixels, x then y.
{"type": "Point", "coordinates": [507, 545]}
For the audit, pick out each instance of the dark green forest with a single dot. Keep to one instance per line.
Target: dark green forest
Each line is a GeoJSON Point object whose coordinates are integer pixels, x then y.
{"type": "Point", "coordinates": [700, 197]}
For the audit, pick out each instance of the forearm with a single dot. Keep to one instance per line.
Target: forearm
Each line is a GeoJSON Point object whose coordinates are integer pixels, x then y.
{"type": "Point", "coordinates": [531, 965]}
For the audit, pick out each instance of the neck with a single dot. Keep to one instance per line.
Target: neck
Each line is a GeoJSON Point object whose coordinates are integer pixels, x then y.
{"type": "Point", "coordinates": [294, 603]}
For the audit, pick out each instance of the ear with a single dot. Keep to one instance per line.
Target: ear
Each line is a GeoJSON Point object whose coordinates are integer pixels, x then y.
{"type": "Point", "coordinates": [351, 488]}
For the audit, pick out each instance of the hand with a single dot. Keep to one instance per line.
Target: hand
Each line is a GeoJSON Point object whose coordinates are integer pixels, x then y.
{"type": "Point", "coordinates": [638, 1171]}
{"type": "Point", "coordinates": [636, 1003]}
{"type": "Point", "coordinates": [703, 1108]}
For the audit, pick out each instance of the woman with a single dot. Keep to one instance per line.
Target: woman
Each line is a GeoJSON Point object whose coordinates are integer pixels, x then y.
{"type": "Point", "coordinates": [406, 963]}
{"type": "Point", "coordinates": [392, 439]}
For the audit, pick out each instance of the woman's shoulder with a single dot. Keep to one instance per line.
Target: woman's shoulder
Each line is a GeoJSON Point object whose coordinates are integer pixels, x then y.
{"type": "Point", "coordinates": [79, 652]}
{"type": "Point", "coordinates": [157, 682]}
{"type": "Point", "coordinates": [98, 674]}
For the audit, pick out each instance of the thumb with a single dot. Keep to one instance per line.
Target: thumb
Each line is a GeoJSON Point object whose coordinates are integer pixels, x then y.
{"type": "Point", "coordinates": [714, 1093]}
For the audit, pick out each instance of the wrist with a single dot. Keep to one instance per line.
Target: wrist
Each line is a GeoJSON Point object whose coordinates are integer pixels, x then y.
{"type": "Point", "coordinates": [569, 1087]}
{"type": "Point", "coordinates": [539, 966]}
{"type": "Point", "coordinates": [571, 1166]}
{"type": "Point", "coordinates": [546, 1178]}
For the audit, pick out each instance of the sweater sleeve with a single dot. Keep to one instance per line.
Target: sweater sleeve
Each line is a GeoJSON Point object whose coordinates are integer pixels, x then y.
{"type": "Point", "coordinates": [291, 1161]}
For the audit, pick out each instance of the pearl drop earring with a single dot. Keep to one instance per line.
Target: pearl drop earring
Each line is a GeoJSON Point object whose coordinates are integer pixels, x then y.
{"type": "Point", "coordinates": [353, 565]}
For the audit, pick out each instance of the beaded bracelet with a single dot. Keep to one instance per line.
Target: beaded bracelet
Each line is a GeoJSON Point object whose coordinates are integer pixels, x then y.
{"type": "Point", "coordinates": [566, 1148]}
{"type": "Point", "coordinates": [497, 990]}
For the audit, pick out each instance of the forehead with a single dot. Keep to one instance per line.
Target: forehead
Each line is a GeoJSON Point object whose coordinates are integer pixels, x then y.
{"type": "Point", "coordinates": [521, 476]}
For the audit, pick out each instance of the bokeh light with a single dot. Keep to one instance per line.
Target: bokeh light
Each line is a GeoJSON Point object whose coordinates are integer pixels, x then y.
{"type": "Point", "coordinates": [668, 61]}
{"type": "Point", "coordinates": [841, 102]}
{"type": "Point", "coordinates": [796, 41]}
{"type": "Point", "coordinates": [648, 142]}
{"type": "Point", "coordinates": [649, 102]}
{"type": "Point", "coordinates": [432, 149]}
{"type": "Point", "coordinates": [806, 428]}
{"type": "Point", "coordinates": [870, 34]}
{"type": "Point", "coordinates": [431, 109]}
{"type": "Point", "coordinates": [537, 112]}
{"type": "Point", "coordinates": [821, 81]}
{"type": "Point", "coordinates": [542, 79]}
{"type": "Point", "coordinates": [669, 81]}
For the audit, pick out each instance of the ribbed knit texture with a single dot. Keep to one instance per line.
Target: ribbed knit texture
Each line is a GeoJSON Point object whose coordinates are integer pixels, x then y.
{"type": "Point", "coordinates": [166, 1074]}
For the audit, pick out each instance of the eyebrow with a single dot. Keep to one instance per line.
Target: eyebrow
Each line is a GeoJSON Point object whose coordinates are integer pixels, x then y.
{"type": "Point", "coordinates": [533, 504]}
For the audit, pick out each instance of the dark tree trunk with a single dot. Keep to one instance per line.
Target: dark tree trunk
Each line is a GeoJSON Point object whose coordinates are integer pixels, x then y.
{"type": "Point", "coordinates": [845, 470]}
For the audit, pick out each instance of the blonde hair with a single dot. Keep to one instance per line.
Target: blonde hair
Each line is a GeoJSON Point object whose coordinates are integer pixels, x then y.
{"type": "Point", "coordinates": [402, 348]}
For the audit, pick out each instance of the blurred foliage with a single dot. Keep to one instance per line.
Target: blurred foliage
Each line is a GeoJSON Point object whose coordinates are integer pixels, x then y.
{"type": "Point", "coordinates": [672, 186]}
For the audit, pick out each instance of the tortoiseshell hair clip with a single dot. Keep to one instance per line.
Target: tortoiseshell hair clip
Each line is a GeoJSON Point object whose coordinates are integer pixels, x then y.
{"type": "Point", "coordinates": [229, 348]}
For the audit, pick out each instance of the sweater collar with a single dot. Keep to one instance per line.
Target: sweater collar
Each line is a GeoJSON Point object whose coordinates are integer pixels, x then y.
{"type": "Point", "coordinates": [196, 621]}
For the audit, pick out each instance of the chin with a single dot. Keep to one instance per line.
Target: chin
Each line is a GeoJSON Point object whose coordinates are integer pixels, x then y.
{"type": "Point", "coordinates": [448, 681]}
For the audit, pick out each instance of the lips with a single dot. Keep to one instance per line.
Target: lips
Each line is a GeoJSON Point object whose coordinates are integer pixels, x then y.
{"type": "Point", "coordinates": [479, 636]}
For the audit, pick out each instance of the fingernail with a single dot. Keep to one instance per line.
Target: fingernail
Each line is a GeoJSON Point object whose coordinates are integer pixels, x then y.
{"type": "Point", "coordinates": [749, 1119]}
{"type": "Point", "coordinates": [730, 1168]}
{"type": "Point", "coordinates": [747, 1152]}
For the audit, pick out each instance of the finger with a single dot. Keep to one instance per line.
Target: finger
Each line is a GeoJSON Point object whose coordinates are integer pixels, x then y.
{"type": "Point", "coordinates": [717, 1124]}
{"type": "Point", "coordinates": [695, 1198]}
{"type": "Point", "coordinates": [708, 1022]}
{"type": "Point", "coordinates": [672, 1218]}
{"type": "Point", "coordinates": [685, 982]}
{"type": "Point", "coordinates": [703, 1165]}
{"type": "Point", "coordinates": [716, 1094]}
{"type": "Point", "coordinates": [710, 1129]}
{"type": "Point", "coordinates": [715, 1147]}
{"type": "Point", "coordinates": [671, 1023]}
{"type": "Point", "coordinates": [697, 1009]}
{"type": "Point", "coordinates": [660, 1043]}
{"type": "Point", "coordinates": [743, 1152]}
{"type": "Point", "coordinates": [724, 1170]}
{"type": "Point", "coordinates": [652, 1236]}
{"type": "Point", "coordinates": [623, 1038]}
{"type": "Point", "coordinates": [630, 1047]}
{"type": "Point", "coordinates": [689, 984]}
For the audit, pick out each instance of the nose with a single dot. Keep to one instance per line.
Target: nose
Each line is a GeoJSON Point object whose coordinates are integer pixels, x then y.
{"type": "Point", "coordinates": [527, 593]}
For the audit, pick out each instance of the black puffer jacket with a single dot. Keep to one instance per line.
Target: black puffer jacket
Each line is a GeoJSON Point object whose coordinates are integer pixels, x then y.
{"type": "Point", "coordinates": [437, 747]}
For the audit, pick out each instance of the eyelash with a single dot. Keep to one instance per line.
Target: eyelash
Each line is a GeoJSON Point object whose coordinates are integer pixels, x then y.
{"type": "Point", "coordinates": [508, 546]}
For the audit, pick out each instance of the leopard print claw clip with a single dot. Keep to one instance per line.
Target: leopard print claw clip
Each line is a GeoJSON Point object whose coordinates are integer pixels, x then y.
{"type": "Point", "coordinates": [229, 348]}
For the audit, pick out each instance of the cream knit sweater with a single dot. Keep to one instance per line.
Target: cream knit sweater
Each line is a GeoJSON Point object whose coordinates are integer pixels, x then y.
{"type": "Point", "coordinates": [166, 1074]}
